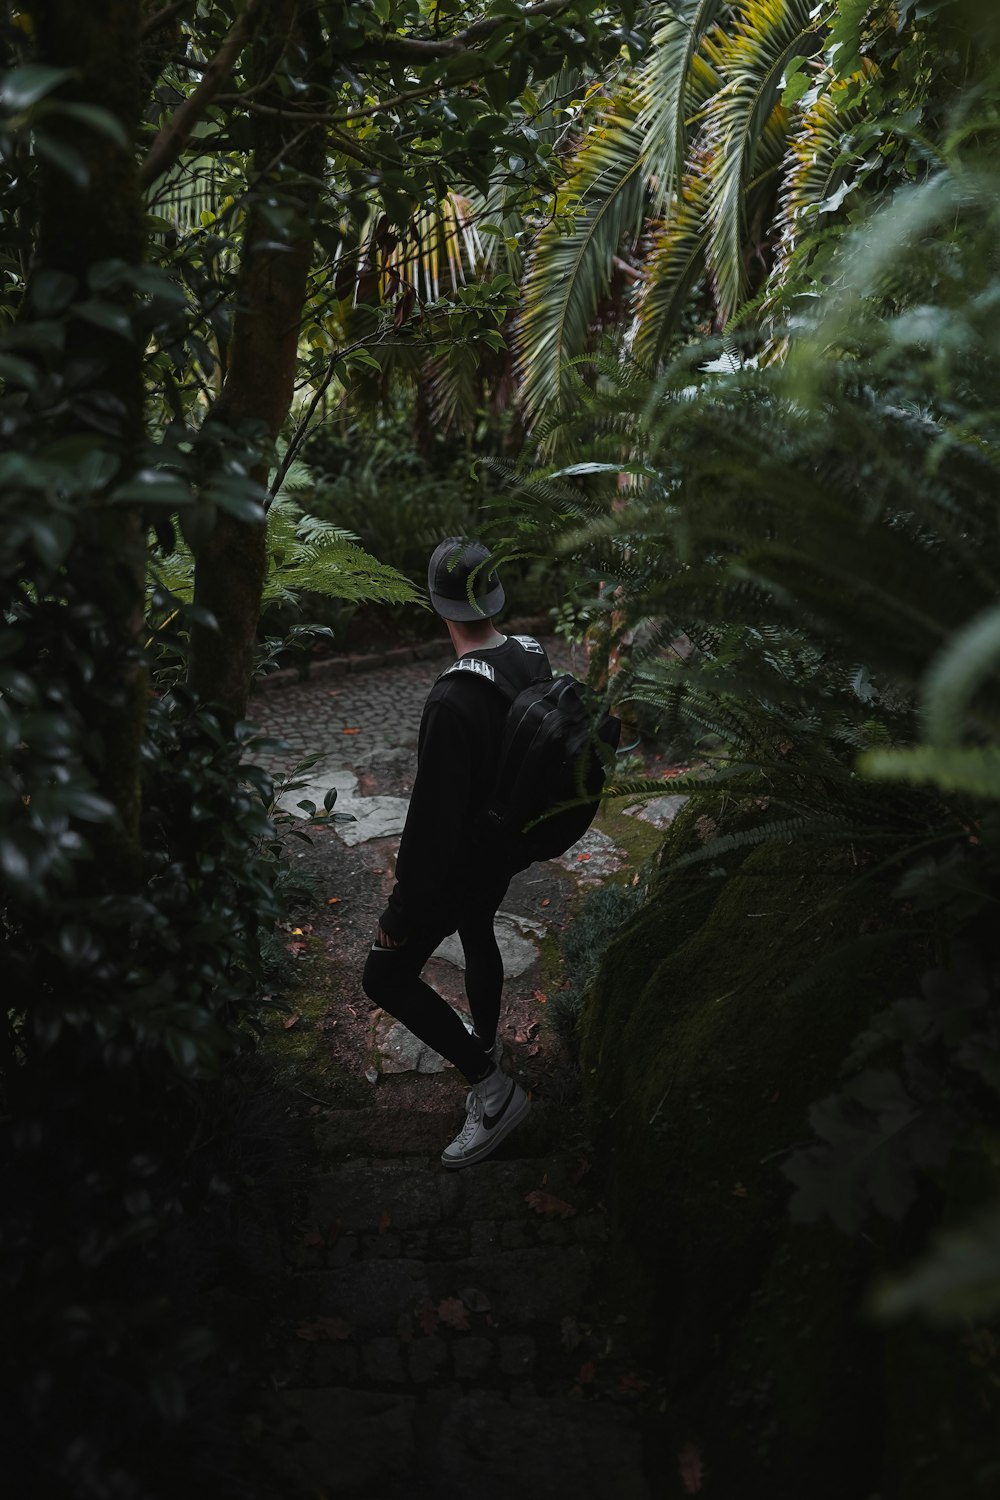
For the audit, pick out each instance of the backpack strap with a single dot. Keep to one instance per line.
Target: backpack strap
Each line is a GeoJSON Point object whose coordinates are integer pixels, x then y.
{"type": "Point", "coordinates": [475, 666]}
{"type": "Point", "coordinates": [485, 671]}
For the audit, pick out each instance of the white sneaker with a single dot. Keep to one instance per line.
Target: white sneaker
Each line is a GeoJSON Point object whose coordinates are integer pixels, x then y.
{"type": "Point", "coordinates": [493, 1108]}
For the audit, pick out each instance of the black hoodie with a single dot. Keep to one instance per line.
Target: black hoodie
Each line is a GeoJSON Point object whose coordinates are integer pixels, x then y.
{"type": "Point", "coordinates": [441, 863]}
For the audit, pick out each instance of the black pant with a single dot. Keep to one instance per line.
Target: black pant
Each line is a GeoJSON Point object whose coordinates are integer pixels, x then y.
{"type": "Point", "coordinates": [392, 979]}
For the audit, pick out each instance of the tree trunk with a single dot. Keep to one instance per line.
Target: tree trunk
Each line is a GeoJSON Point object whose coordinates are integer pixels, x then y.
{"type": "Point", "coordinates": [82, 224]}
{"type": "Point", "coordinates": [259, 384]}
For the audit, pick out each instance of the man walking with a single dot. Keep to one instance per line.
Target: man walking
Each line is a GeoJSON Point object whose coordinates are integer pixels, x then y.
{"type": "Point", "coordinates": [449, 876]}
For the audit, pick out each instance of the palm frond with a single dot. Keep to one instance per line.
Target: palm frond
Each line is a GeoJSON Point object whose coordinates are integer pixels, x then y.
{"type": "Point", "coordinates": [673, 265]}
{"type": "Point", "coordinates": [572, 266]}
{"type": "Point", "coordinates": [672, 87]}
{"type": "Point", "coordinates": [768, 35]}
{"type": "Point", "coordinates": [815, 183]}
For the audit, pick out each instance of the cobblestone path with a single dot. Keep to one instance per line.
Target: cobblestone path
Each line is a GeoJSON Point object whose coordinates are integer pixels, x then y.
{"type": "Point", "coordinates": [442, 1335]}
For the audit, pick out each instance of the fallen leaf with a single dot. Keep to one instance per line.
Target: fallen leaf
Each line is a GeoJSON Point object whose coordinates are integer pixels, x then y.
{"type": "Point", "coordinates": [629, 1381]}
{"type": "Point", "coordinates": [324, 1329]}
{"type": "Point", "coordinates": [552, 1207]}
{"type": "Point", "coordinates": [452, 1313]}
{"type": "Point", "coordinates": [582, 857]}
{"type": "Point", "coordinates": [587, 1372]}
{"type": "Point", "coordinates": [332, 900]}
{"type": "Point", "coordinates": [291, 1021]}
{"type": "Point", "coordinates": [547, 901]}
{"type": "Point", "coordinates": [691, 1469]}
{"type": "Point", "coordinates": [350, 731]}
{"type": "Point", "coordinates": [385, 1219]}
{"type": "Point", "coordinates": [312, 1237]}
{"type": "Point", "coordinates": [739, 1191]}
{"type": "Point", "coordinates": [540, 997]}
{"type": "Point", "coordinates": [296, 932]}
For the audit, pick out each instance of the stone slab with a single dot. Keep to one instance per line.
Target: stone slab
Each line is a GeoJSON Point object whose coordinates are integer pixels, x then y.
{"type": "Point", "coordinates": [375, 818]}
{"type": "Point", "coordinates": [593, 857]}
{"type": "Point", "coordinates": [514, 935]}
{"type": "Point", "coordinates": [660, 811]}
{"type": "Point", "coordinates": [320, 779]}
{"type": "Point", "coordinates": [402, 1052]}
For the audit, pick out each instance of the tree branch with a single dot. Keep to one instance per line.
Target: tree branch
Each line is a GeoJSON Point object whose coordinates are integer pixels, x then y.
{"type": "Point", "coordinates": [174, 136]}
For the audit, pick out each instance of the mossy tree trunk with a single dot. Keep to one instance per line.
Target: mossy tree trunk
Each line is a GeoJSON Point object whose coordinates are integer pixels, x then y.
{"type": "Point", "coordinates": [88, 220]}
{"type": "Point", "coordinates": [259, 381]}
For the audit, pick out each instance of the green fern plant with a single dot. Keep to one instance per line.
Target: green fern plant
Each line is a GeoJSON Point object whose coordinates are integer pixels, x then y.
{"type": "Point", "coordinates": [306, 556]}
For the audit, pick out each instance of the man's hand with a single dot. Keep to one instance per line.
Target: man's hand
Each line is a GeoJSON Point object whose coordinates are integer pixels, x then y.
{"type": "Point", "coordinates": [384, 940]}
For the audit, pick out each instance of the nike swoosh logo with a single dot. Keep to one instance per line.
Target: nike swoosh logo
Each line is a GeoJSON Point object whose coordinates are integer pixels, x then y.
{"type": "Point", "coordinates": [489, 1121]}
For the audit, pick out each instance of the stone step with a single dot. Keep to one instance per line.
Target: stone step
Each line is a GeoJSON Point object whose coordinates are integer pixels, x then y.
{"type": "Point", "coordinates": [390, 1131]}
{"type": "Point", "coordinates": [374, 1196]}
{"type": "Point", "coordinates": [358, 1445]}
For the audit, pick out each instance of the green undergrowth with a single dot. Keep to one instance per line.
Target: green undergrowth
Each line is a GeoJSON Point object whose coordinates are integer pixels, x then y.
{"type": "Point", "coordinates": [295, 1036]}
{"type": "Point", "coordinates": [571, 960]}
{"type": "Point", "coordinates": [723, 1009]}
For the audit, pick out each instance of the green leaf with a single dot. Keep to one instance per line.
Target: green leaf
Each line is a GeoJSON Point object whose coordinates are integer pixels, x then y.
{"type": "Point", "coordinates": [106, 315]}
{"type": "Point", "coordinates": [52, 536]}
{"type": "Point", "coordinates": [18, 372]}
{"type": "Point", "coordinates": [958, 1281]}
{"type": "Point", "coordinates": [974, 770]}
{"type": "Point", "coordinates": [153, 487]}
{"type": "Point", "coordinates": [967, 662]}
{"type": "Point", "coordinates": [101, 120]}
{"type": "Point", "coordinates": [64, 158]}
{"type": "Point", "coordinates": [89, 806]}
{"type": "Point", "coordinates": [796, 82]}
{"type": "Point", "coordinates": [51, 291]}
{"type": "Point", "coordinates": [22, 87]}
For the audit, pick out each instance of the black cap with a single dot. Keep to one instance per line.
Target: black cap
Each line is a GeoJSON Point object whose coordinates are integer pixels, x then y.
{"type": "Point", "coordinates": [458, 569]}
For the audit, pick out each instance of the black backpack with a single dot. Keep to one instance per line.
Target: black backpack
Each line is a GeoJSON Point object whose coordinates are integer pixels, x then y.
{"type": "Point", "coordinates": [558, 742]}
